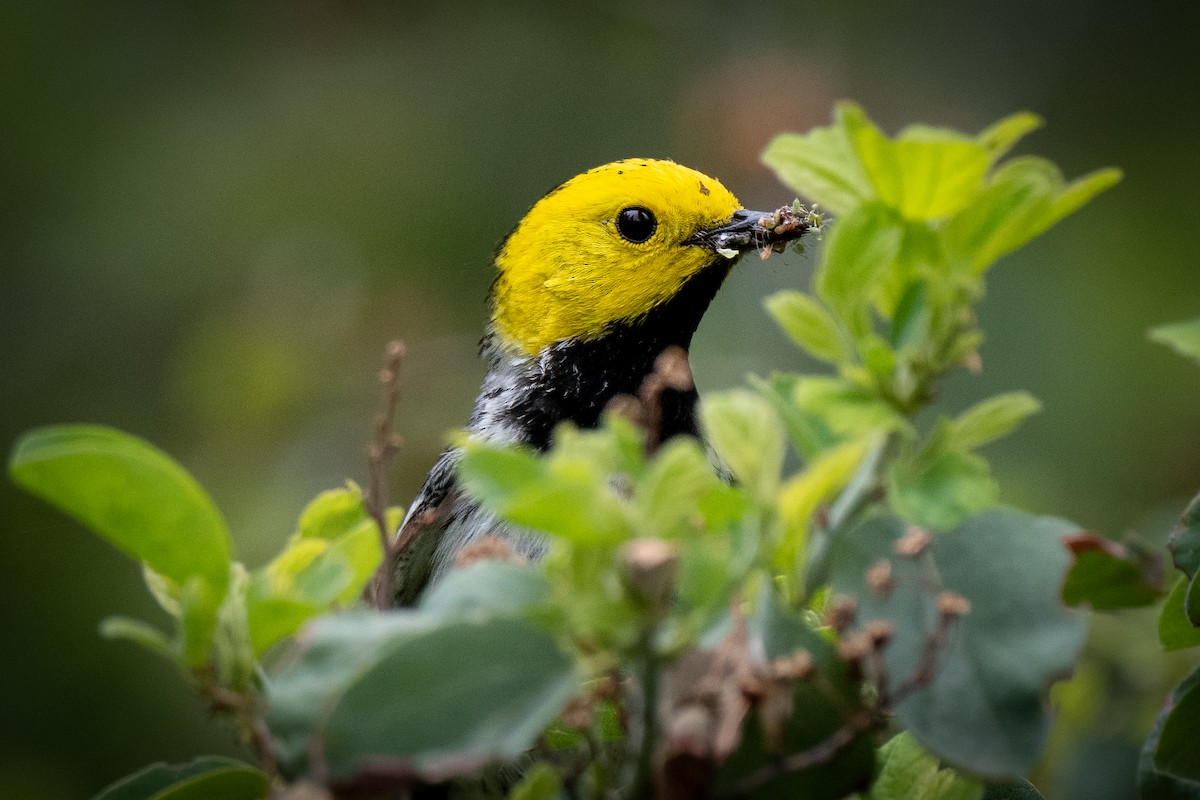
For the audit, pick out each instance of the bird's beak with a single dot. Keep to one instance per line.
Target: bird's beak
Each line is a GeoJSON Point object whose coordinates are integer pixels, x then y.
{"type": "Point", "coordinates": [753, 230]}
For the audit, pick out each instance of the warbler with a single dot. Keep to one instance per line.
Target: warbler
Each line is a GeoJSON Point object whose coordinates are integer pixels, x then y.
{"type": "Point", "coordinates": [603, 274]}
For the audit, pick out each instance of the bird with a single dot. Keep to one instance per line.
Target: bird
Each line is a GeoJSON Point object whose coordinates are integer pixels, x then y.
{"type": "Point", "coordinates": [602, 274]}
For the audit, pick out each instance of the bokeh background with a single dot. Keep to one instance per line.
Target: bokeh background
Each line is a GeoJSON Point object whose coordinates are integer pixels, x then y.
{"type": "Point", "coordinates": [213, 216]}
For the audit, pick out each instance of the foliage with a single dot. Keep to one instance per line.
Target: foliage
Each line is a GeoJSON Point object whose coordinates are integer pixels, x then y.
{"type": "Point", "coordinates": [702, 623]}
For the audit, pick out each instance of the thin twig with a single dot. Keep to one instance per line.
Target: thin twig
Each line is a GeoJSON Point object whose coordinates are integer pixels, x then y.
{"type": "Point", "coordinates": [379, 455]}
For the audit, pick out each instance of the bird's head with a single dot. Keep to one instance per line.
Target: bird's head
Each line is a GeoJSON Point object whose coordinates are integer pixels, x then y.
{"type": "Point", "coordinates": [611, 245]}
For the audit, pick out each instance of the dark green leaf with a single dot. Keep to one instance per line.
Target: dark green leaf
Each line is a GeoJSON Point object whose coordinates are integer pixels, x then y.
{"type": "Point", "coordinates": [205, 778]}
{"type": "Point", "coordinates": [984, 709]}
{"type": "Point", "coordinates": [1178, 751]}
{"type": "Point", "coordinates": [485, 589]}
{"type": "Point", "coordinates": [1185, 540]}
{"type": "Point", "coordinates": [1154, 784]}
{"type": "Point", "coordinates": [451, 698]}
{"type": "Point", "coordinates": [1109, 575]}
{"type": "Point", "coordinates": [1019, 789]}
{"type": "Point", "coordinates": [1175, 631]}
{"type": "Point", "coordinates": [143, 502]}
{"type": "Point", "coordinates": [336, 650]}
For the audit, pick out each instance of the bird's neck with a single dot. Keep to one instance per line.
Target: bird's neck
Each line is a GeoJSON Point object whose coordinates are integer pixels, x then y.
{"type": "Point", "coordinates": [524, 397]}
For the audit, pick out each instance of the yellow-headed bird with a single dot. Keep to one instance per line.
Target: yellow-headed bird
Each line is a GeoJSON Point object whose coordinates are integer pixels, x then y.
{"type": "Point", "coordinates": [602, 275]}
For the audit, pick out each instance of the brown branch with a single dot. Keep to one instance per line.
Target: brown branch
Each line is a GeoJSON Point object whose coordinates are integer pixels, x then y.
{"type": "Point", "coordinates": [379, 455]}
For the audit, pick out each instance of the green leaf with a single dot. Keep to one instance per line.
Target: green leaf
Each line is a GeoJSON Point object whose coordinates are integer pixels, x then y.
{"type": "Point", "coordinates": [328, 560]}
{"type": "Point", "coordinates": [1023, 199]}
{"type": "Point", "coordinates": [200, 779]}
{"type": "Point", "coordinates": [912, 316]}
{"type": "Point", "coordinates": [984, 709]}
{"type": "Point", "coordinates": [844, 408]}
{"type": "Point", "coordinates": [1184, 543]}
{"type": "Point", "coordinates": [925, 174]}
{"type": "Point", "coordinates": [906, 772]}
{"type": "Point", "coordinates": [139, 499]}
{"type": "Point", "coordinates": [332, 514]}
{"type": "Point", "coordinates": [1182, 337]}
{"type": "Point", "coordinates": [992, 419]}
{"type": "Point", "coordinates": [451, 699]}
{"type": "Point", "coordinates": [485, 589]}
{"type": "Point", "coordinates": [807, 431]}
{"type": "Point", "coordinates": [1178, 750]}
{"type": "Point", "coordinates": [820, 165]}
{"type": "Point", "coordinates": [139, 632]}
{"type": "Point", "coordinates": [540, 782]}
{"type": "Point", "coordinates": [1175, 630]}
{"type": "Point", "coordinates": [809, 325]}
{"type": "Point", "coordinates": [745, 432]}
{"type": "Point", "coordinates": [861, 247]}
{"type": "Point", "coordinates": [1153, 783]}
{"type": "Point", "coordinates": [998, 139]}
{"type": "Point", "coordinates": [567, 494]}
{"type": "Point", "coordinates": [1020, 789]}
{"type": "Point", "coordinates": [942, 490]}
{"type": "Point", "coordinates": [674, 487]}
{"type": "Point", "coordinates": [1109, 575]}
{"type": "Point", "coordinates": [335, 650]}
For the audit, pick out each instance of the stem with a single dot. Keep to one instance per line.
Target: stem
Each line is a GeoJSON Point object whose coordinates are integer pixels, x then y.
{"type": "Point", "coordinates": [379, 456]}
{"type": "Point", "coordinates": [643, 785]}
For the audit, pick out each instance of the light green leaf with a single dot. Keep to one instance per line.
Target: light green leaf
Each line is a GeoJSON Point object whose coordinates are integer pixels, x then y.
{"type": "Point", "coordinates": [845, 408]}
{"type": "Point", "coordinates": [860, 249]}
{"type": "Point", "coordinates": [906, 772]}
{"type": "Point", "coordinates": [141, 633]}
{"type": "Point", "coordinates": [998, 139]}
{"type": "Point", "coordinates": [926, 174]}
{"type": "Point", "coordinates": [139, 499]}
{"type": "Point", "coordinates": [992, 419]}
{"type": "Point", "coordinates": [672, 489]}
{"type": "Point", "coordinates": [941, 491]}
{"type": "Point", "coordinates": [807, 431]}
{"type": "Point", "coordinates": [333, 513]}
{"type": "Point", "coordinates": [566, 494]}
{"type": "Point", "coordinates": [820, 165]}
{"type": "Point", "coordinates": [1023, 199]}
{"type": "Point", "coordinates": [748, 436]}
{"type": "Point", "coordinates": [452, 698]}
{"type": "Point", "coordinates": [808, 323]}
{"type": "Point", "coordinates": [540, 782]}
{"type": "Point", "coordinates": [1182, 337]}
{"type": "Point", "coordinates": [203, 778]}
{"type": "Point", "coordinates": [985, 708]}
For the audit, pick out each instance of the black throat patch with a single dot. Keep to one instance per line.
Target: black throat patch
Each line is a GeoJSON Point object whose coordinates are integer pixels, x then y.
{"type": "Point", "coordinates": [576, 379]}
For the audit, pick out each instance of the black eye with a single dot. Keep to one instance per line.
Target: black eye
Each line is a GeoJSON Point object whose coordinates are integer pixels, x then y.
{"type": "Point", "coordinates": [636, 224]}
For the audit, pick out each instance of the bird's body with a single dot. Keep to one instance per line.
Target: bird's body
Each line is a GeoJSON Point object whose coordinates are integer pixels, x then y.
{"type": "Point", "coordinates": [602, 275]}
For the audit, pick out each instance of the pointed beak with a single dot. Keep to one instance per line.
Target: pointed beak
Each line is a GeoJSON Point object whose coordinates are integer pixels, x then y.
{"type": "Point", "coordinates": [753, 230]}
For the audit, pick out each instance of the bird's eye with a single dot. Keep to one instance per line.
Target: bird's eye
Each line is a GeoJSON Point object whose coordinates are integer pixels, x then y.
{"type": "Point", "coordinates": [636, 224]}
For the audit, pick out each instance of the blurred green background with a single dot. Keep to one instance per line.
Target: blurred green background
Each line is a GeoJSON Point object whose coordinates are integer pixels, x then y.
{"type": "Point", "coordinates": [213, 217]}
